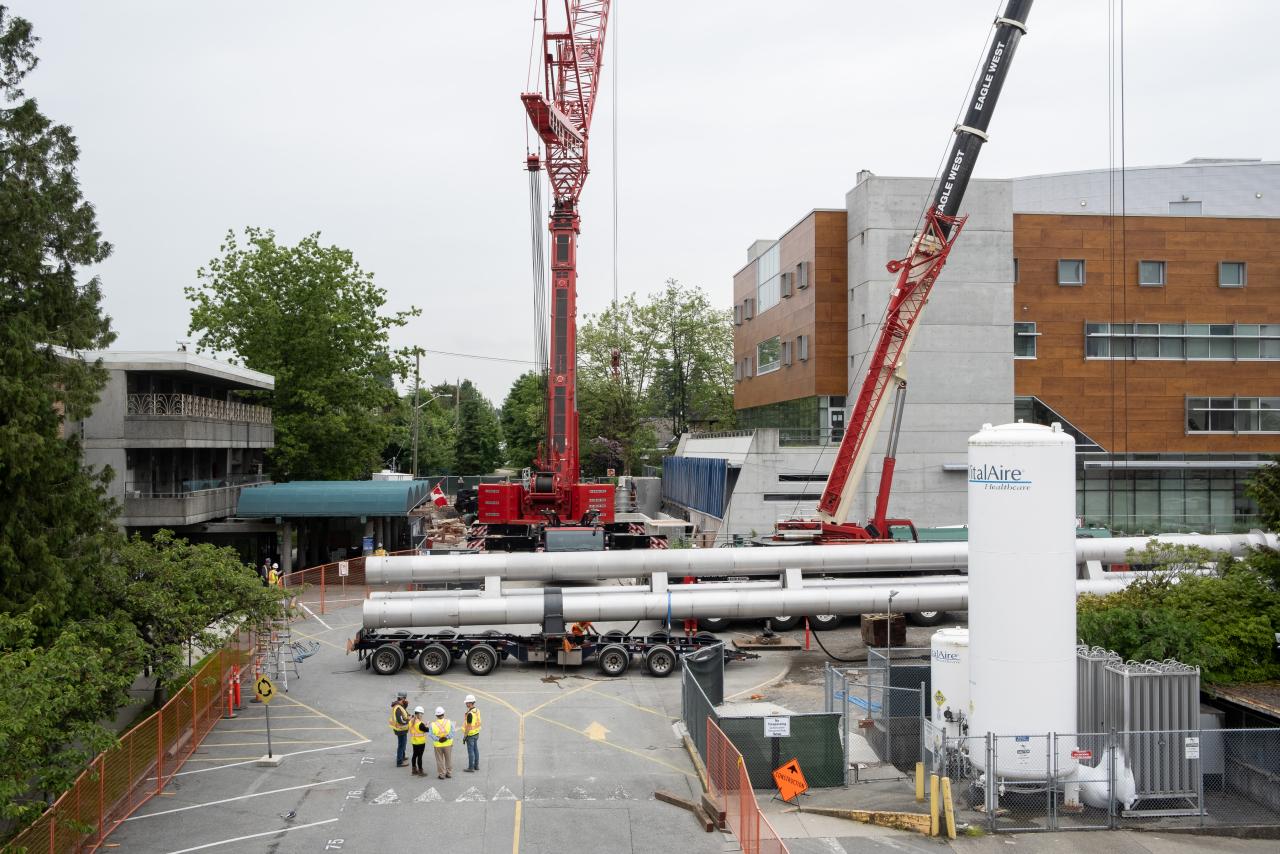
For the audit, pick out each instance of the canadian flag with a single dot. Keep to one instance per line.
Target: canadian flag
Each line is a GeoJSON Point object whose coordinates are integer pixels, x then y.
{"type": "Point", "coordinates": [438, 496]}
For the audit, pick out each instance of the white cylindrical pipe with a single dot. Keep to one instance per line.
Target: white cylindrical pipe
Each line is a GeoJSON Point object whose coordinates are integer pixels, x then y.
{"type": "Point", "coordinates": [712, 563]}
{"type": "Point", "coordinates": [464, 608]}
{"type": "Point", "coordinates": [1022, 580]}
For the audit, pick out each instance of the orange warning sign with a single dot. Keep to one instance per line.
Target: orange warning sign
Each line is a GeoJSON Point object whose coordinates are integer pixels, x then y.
{"type": "Point", "coordinates": [790, 780]}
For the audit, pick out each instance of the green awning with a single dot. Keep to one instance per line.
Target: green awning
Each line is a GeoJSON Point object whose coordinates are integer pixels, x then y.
{"type": "Point", "coordinates": [332, 498]}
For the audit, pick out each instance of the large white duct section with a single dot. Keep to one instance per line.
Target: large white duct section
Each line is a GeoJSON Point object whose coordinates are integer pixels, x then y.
{"type": "Point", "coordinates": [1022, 576]}
{"type": "Point", "coordinates": [713, 563]}
{"type": "Point", "coordinates": [476, 608]}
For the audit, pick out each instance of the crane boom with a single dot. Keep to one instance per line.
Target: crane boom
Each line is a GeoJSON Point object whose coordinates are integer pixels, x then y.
{"type": "Point", "coordinates": [917, 273]}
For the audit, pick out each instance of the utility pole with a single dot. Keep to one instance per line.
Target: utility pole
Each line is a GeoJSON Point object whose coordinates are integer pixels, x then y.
{"type": "Point", "coordinates": [417, 384]}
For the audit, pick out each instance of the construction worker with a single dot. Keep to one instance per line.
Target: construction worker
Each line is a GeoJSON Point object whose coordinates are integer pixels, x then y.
{"type": "Point", "coordinates": [442, 740]}
{"type": "Point", "coordinates": [380, 551]}
{"type": "Point", "coordinates": [275, 578]}
{"type": "Point", "coordinates": [399, 723]}
{"type": "Point", "coordinates": [471, 733]}
{"type": "Point", "coordinates": [418, 738]}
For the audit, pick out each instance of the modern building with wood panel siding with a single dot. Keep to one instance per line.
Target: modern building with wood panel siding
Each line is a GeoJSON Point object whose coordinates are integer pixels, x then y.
{"type": "Point", "coordinates": [1138, 309]}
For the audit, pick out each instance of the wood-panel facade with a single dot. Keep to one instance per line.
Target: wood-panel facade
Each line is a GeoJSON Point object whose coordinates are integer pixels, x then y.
{"type": "Point", "coordinates": [1138, 405]}
{"type": "Point", "coordinates": [818, 311]}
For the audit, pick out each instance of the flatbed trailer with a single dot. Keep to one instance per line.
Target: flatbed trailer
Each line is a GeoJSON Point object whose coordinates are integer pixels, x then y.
{"type": "Point", "coordinates": [386, 651]}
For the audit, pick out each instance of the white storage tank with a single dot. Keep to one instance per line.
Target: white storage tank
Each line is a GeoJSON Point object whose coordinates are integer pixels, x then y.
{"type": "Point", "coordinates": [949, 676]}
{"type": "Point", "coordinates": [1022, 596]}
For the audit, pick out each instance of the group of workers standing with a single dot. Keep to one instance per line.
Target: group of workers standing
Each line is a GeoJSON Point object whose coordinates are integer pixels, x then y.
{"type": "Point", "coordinates": [414, 729]}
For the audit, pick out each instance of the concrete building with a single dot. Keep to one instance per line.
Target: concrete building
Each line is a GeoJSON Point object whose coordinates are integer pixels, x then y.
{"type": "Point", "coordinates": [1150, 335]}
{"type": "Point", "coordinates": [181, 439]}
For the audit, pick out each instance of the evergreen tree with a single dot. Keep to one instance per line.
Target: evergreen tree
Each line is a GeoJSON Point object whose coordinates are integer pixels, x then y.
{"type": "Point", "coordinates": [55, 517]}
{"type": "Point", "coordinates": [523, 429]}
{"type": "Point", "coordinates": [479, 443]}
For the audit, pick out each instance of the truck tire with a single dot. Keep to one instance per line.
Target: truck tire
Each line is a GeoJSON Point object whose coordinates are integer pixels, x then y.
{"type": "Point", "coordinates": [824, 622]}
{"type": "Point", "coordinates": [434, 659]}
{"type": "Point", "coordinates": [387, 659]}
{"type": "Point", "coordinates": [926, 618]}
{"type": "Point", "coordinates": [614, 660]}
{"type": "Point", "coordinates": [783, 624]}
{"type": "Point", "coordinates": [658, 637]}
{"type": "Point", "coordinates": [482, 659]}
{"type": "Point", "coordinates": [714, 624]}
{"type": "Point", "coordinates": [660, 661]}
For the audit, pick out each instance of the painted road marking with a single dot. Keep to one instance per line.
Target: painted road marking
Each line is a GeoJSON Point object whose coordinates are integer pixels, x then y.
{"type": "Point", "coordinates": [238, 798]}
{"type": "Point", "coordinates": [472, 794]}
{"type": "Point", "coordinates": [643, 756]}
{"type": "Point", "coordinates": [504, 794]}
{"type": "Point", "coordinates": [253, 836]}
{"type": "Point", "coordinates": [428, 797]}
{"type": "Point", "coordinates": [234, 764]}
{"type": "Point", "coordinates": [387, 797]}
{"type": "Point", "coordinates": [596, 731]}
{"type": "Point", "coordinates": [317, 618]}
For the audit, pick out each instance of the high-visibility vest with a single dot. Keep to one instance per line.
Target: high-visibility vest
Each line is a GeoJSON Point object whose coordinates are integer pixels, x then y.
{"type": "Point", "coordinates": [399, 718]}
{"type": "Point", "coordinates": [417, 732]}
{"type": "Point", "coordinates": [442, 732]}
{"type": "Point", "coordinates": [273, 578]}
{"type": "Point", "coordinates": [471, 722]}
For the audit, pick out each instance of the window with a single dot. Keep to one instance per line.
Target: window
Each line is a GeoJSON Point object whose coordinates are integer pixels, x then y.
{"type": "Point", "coordinates": [1151, 274]}
{"type": "Point", "coordinates": [802, 347]}
{"type": "Point", "coordinates": [1024, 340]}
{"type": "Point", "coordinates": [784, 285]}
{"type": "Point", "coordinates": [748, 308]}
{"type": "Point", "coordinates": [802, 478]}
{"type": "Point", "coordinates": [768, 356]}
{"type": "Point", "coordinates": [768, 282]}
{"type": "Point", "coordinates": [737, 315]}
{"type": "Point", "coordinates": [802, 275]}
{"type": "Point", "coordinates": [791, 496]}
{"type": "Point", "coordinates": [1186, 341]}
{"type": "Point", "coordinates": [786, 354]}
{"type": "Point", "coordinates": [1231, 274]}
{"type": "Point", "coordinates": [1233, 414]}
{"type": "Point", "coordinates": [1071, 272]}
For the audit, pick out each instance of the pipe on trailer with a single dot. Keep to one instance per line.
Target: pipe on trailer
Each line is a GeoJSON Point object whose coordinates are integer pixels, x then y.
{"type": "Point", "coordinates": [712, 563]}
{"type": "Point", "coordinates": [461, 608]}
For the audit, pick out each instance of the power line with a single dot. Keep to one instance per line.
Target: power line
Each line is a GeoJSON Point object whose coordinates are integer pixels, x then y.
{"type": "Point", "coordinates": [480, 357]}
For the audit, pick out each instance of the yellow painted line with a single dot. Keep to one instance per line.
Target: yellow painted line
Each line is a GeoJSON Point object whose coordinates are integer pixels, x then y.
{"type": "Point", "coordinates": [342, 648]}
{"type": "Point", "coordinates": [636, 706]}
{"type": "Point", "coordinates": [250, 744]}
{"type": "Point", "coordinates": [295, 729]}
{"type": "Point", "coordinates": [515, 839]}
{"type": "Point", "coordinates": [643, 756]}
{"type": "Point", "coordinates": [479, 692]}
{"type": "Point", "coordinates": [558, 698]}
{"type": "Point", "coordinates": [764, 684]}
{"type": "Point", "coordinates": [298, 702]}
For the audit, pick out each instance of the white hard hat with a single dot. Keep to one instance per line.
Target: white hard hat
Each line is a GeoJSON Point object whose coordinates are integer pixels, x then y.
{"type": "Point", "coordinates": [470, 698]}
{"type": "Point", "coordinates": [419, 710]}
{"type": "Point", "coordinates": [275, 565]}
{"type": "Point", "coordinates": [439, 711]}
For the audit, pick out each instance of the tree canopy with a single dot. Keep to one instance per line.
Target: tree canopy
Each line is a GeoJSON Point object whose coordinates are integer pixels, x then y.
{"type": "Point", "coordinates": [522, 419]}
{"type": "Point", "coordinates": [55, 515]}
{"type": "Point", "coordinates": [1264, 488]}
{"type": "Point", "coordinates": [478, 447]}
{"type": "Point", "coordinates": [311, 316]}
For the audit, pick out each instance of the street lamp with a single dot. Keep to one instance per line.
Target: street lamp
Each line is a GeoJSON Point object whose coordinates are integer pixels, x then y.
{"type": "Point", "coordinates": [888, 632]}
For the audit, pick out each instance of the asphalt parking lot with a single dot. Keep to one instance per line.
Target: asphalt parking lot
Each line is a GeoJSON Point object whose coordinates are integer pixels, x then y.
{"type": "Point", "coordinates": [569, 762]}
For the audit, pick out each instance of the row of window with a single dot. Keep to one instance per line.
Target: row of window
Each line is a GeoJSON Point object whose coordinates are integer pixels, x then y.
{"type": "Point", "coordinates": [1233, 414]}
{"type": "Point", "coordinates": [1151, 274]}
{"type": "Point", "coordinates": [1188, 341]}
{"type": "Point", "coordinates": [772, 285]}
{"type": "Point", "coordinates": [772, 354]}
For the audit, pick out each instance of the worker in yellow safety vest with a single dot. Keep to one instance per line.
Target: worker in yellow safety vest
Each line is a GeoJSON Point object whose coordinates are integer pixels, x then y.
{"type": "Point", "coordinates": [274, 577]}
{"type": "Point", "coordinates": [418, 738]}
{"type": "Point", "coordinates": [442, 740]}
{"type": "Point", "coordinates": [399, 723]}
{"type": "Point", "coordinates": [471, 733]}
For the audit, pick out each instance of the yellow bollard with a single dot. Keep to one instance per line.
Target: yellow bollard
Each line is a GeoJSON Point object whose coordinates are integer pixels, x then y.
{"type": "Point", "coordinates": [948, 808]}
{"type": "Point", "coordinates": [919, 782]}
{"type": "Point", "coordinates": [933, 804]}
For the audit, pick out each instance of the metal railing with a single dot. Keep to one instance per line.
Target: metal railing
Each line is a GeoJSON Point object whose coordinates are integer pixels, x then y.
{"type": "Point", "coordinates": [193, 406]}
{"type": "Point", "coordinates": [185, 488]}
{"type": "Point", "coordinates": [122, 779]}
{"type": "Point", "coordinates": [806, 437]}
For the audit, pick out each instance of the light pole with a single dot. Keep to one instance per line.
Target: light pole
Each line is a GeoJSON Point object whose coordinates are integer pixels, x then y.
{"type": "Point", "coordinates": [888, 632]}
{"type": "Point", "coordinates": [417, 407]}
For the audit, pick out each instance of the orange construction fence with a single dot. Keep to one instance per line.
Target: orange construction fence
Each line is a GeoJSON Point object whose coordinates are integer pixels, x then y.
{"type": "Point", "coordinates": [324, 585]}
{"type": "Point", "coordinates": [731, 787]}
{"type": "Point", "coordinates": [121, 779]}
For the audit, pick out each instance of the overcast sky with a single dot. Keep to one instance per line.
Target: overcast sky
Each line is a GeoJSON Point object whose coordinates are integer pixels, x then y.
{"type": "Point", "coordinates": [395, 129]}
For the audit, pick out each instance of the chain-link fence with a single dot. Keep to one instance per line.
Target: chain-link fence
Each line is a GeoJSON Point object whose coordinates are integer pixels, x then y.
{"type": "Point", "coordinates": [125, 777]}
{"type": "Point", "coordinates": [876, 710]}
{"type": "Point", "coordinates": [1086, 781]}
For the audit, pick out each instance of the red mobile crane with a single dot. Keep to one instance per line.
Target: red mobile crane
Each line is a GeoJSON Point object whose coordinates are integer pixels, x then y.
{"type": "Point", "coordinates": [917, 273]}
{"type": "Point", "coordinates": [517, 516]}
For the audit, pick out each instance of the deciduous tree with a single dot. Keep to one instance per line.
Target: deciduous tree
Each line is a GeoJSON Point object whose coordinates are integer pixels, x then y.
{"type": "Point", "coordinates": [54, 514]}
{"type": "Point", "coordinates": [312, 317]}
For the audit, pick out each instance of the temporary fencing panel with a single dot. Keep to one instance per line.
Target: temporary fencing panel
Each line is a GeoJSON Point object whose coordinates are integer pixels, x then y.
{"type": "Point", "coordinates": [731, 787]}
{"type": "Point", "coordinates": [125, 777]}
{"type": "Point", "coordinates": [814, 742]}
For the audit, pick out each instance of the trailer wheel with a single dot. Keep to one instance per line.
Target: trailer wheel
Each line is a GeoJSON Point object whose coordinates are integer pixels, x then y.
{"type": "Point", "coordinates": [783, 624]}
{"type": "Point", "coordinates": [434, 659]}
{"type": "Point", "coordinates": [714, 624]}
{"type": "Point", "coordinates": [658, 637]}
{"type": "Point", "coordinates": [387, 659]}
{"type": "Point", "coordinates": [824, 622]}
{"type": "Point", "coordinates": [482, 659]}
{"type": "Point", "coordinates": [926, 618]}
{"type": "Point", "coordinates": [614, 660]}
{"type": "Point", "coordinates": [660, 661]}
